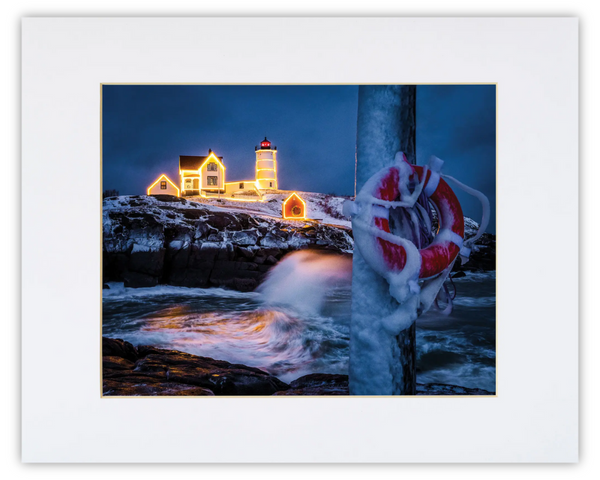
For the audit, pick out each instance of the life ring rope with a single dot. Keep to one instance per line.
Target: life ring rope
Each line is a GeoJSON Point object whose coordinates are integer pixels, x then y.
{"type": "Point", "coordinates": [391, 246]}
{"type": "Point", "coordinates": [485, 206]}
{"type": "Point", "coordinates": [401, 186]}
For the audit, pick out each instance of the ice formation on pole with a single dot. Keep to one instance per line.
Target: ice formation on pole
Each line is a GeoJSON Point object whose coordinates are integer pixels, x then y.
{"type": "Point", "coordinates": [392, 226]}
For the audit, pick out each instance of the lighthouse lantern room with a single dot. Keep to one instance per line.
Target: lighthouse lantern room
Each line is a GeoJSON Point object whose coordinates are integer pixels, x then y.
{"type": "Point", "coordinates": [266, 166]}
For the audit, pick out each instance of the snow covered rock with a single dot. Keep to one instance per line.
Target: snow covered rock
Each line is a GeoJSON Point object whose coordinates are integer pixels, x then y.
{"type": "Point", "coordinates": [163, 239]}
{"type": "Point", "coordinates": [272, 239]}
{"type": "Point", "coordinates": [245, 237]}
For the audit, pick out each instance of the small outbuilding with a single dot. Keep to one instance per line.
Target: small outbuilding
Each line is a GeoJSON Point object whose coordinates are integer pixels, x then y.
{"type": "Point", "coordinates": [294, 207]}
{"type": "Point", "coordinates": [163, 186]}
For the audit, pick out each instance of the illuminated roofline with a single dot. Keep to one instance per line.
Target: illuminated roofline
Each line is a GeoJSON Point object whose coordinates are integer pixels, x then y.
{"type": "Point", "coordinates": [212, 154]}
{"type": "Point", "coordinates": [158, 180]}
{"type": "Point", "coordinates": [219, 187]}
{"type": "Point", "coordinates": [294, 194]}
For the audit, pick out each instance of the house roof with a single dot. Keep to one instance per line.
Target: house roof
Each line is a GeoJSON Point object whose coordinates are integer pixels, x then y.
{"type": "Point", "coordinates": [159, 179]}
{"type": "Point", "coordinates": [193, 162]}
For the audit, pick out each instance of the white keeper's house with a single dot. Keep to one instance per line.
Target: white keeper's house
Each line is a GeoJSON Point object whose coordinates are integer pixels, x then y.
{"type": "Point", "coordinates": [206, 175]}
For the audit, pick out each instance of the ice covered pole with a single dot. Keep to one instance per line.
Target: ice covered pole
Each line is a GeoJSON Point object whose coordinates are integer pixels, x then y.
{"type": "Point", "coordinates": [380, 363]}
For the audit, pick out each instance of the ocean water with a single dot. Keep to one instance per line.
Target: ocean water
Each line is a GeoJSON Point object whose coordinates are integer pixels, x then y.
{"type": "Point", "coordinates": [296, 323]}
{"type": "Point", "coordinates": [460, 348]}
{"type": "Point", "coordinates": [299, 323]}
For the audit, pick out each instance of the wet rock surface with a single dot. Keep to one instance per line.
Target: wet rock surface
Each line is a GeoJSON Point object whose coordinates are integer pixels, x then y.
{"type": "Point", "coordinates": [318, 384]}
{"type": "Point", "coordinates": [149, 371]}
{"type": "Point", "coordinates": [146, 370]}
{"type": "Point", "coordinates": [117, 348]}
{"type": "Point", "coordinates": [325, 384]}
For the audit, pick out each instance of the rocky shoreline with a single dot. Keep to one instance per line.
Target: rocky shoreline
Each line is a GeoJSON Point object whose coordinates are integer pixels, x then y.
{"type": "Point", "coordinates": [168, 240]}
{"type": "Point", "coordinates": [128, 370]}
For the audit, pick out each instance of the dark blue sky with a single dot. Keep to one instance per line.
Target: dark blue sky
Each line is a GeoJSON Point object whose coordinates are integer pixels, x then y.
{"type": "Point", "coordinates": [147, 127]}
{"type": "Point", "coordinates": [457, 123]}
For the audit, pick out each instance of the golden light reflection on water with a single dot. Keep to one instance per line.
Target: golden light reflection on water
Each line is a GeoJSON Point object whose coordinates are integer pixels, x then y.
{"type": "Point", "coordinates": [274, 337]}
{"type": "Point", "coordinates": [214, 324]}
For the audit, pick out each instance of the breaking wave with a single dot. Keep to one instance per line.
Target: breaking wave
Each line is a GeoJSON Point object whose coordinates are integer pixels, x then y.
{"type": "Point", "coordinates": [298, 322]}
{"type": "Point", "coordinates": [295, 324]}
{"type": "Point", "coordinates": [303, 279]}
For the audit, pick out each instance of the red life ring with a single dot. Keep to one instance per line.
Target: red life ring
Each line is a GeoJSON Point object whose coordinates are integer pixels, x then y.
{"type": "Point", "coordinates": [445, 247]}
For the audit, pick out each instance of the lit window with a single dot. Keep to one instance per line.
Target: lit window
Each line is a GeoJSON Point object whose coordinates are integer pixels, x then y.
{"type": "Point", "coordinates": [163, 185]}
{"type": "Point", "coordinates": [211, 181]}
{"type": "Point", "coordinates": [212, 167]}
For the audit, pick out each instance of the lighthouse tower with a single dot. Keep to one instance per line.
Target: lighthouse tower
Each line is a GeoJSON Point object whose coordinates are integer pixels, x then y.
{"type": "Point", "coordinates": [266, 166]}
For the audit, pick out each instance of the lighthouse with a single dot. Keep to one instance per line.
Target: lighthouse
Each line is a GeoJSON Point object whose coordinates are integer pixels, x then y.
{"type": "Point", "coordinates": [266, 166]}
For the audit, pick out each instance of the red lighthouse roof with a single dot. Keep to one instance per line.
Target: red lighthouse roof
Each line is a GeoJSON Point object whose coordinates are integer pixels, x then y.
{"type": "Point", "coordinates": [265, 143]}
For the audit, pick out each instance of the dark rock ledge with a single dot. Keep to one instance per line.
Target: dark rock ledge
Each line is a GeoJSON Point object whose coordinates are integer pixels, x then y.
{"type": "Point", "coordinates": [150, 371]}
{"type": "Point", "coordinates": [127, 370]}
{"type": "Point", "coordinates": [168, 240]}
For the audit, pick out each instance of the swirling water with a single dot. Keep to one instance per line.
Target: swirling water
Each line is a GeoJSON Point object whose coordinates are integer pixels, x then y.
{"type": "Point", "coordinates": [295, 324]}
{"type": "Point", "coordinates": [298, 322]}
{"type": "Point", "coordinates": [460, 349]}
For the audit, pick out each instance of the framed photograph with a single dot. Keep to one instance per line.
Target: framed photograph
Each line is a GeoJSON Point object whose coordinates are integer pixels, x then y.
{"type": "Point", "coordinates": [287, 230]}
{"type": "Point", "coordinates": [221, 285]}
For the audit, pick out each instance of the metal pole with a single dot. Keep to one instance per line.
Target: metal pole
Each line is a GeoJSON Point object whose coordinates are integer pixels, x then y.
{"type": "Point", "coordinates": [386, 125]}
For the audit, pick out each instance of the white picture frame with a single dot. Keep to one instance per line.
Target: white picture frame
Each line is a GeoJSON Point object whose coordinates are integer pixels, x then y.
{"type": "Point", "coordinates": [533, 418]}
